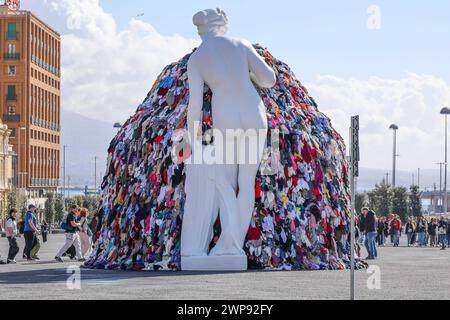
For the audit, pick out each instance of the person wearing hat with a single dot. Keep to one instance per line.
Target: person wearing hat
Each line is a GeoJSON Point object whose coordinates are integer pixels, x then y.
{"type": "Point", "coordinates": [30, 231]}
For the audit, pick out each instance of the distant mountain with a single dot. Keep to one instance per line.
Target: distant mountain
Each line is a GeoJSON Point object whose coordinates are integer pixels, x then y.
{"type": "Point", "coordinates": [85, 138]}
{"type": "Point", "coordinates": [428, 178]}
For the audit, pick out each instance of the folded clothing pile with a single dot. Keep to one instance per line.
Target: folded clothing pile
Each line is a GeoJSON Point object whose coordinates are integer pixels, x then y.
{"type": "Point", "coordinates": [301, 215]}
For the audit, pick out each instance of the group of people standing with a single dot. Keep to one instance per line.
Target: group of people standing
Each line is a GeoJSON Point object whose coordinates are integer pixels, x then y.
{"type": "Point", "coordinates": [77, 229]}
{"type": "Point", "coordinates": [434, 232]}
{"type": "Point", "coordinates": [420, 231]}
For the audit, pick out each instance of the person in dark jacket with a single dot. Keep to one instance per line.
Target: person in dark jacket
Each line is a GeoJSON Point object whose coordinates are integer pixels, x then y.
{"type": "Point", "coordinates": [370, 230]}
{"type": "Point", "coordinates": [432, 227]}
{"type": "Point", "coordinates": [448, 231]}
{"type": "Point", "coordinates": [422, 227]}
{"type": "Point", "coordinates": [409, 230]}
{"type": "Point", "coordinates": [381, 238]}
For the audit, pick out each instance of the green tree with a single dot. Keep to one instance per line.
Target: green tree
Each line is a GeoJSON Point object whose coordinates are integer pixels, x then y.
{"type": "Point", "coordinates": [59, 208]}
{"type": "Point", "coordinates": [380, 199]}
{"type": "Point", "coordinates": [49, 210]}
{"type": "Point", "coordinates": [400, 202]}
{"type": "Point", "coordinates": [12, 199]}
{"type": "Point", "coordinates": [17, 201]}
{"type": "Point", "coordinates": [415, 203]}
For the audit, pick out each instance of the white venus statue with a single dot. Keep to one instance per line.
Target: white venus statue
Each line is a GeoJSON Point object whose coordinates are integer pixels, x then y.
{"type": "Point", "coordinates": [228, 66]}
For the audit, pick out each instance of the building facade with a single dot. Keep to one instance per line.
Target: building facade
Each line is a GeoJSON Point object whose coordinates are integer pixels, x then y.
{"type": "Point", "coordinates": [6, 169]}
{"type": "Point", "coordinates": [30, 98]}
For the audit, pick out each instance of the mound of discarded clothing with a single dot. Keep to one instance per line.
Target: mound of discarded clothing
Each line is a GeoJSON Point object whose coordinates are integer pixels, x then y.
{"type": "Point", "coordinates": [301, 216]}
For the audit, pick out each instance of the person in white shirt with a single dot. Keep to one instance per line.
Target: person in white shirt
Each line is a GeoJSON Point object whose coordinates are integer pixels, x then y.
{"type": "Point", "coordinates": [11, 234]}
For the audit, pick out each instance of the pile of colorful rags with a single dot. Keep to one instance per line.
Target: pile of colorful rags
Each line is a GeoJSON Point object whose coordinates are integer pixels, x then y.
{"type": "Point", "coordinates": [301, 216]}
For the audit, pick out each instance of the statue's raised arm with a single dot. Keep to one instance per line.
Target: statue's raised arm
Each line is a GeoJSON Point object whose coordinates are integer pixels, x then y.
{"type": "Point", "coordinates": [260, 73]}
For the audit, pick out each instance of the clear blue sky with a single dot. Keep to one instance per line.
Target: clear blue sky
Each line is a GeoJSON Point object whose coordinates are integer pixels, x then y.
{"type": "Point", "coordinates": [327, 37]}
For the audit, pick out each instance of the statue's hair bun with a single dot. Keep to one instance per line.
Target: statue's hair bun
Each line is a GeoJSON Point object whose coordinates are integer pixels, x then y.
{"type": "Point", "coordinates": [200, 18]}
{"type": "Point", "coordinates": [210, 16]}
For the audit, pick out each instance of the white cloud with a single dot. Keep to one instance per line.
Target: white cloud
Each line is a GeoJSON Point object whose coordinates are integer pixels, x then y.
{"type": "Point", "coordinates": [412, 102]}
{"type": "Point", "coordinates": [108, 72]}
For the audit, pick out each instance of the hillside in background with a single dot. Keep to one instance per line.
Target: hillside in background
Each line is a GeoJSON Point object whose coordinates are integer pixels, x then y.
{"type": "Point", "coordinates": [86, 138]}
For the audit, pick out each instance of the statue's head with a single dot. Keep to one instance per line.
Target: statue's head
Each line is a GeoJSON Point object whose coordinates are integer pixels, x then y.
{"type": "Point", "coordinates": [211, 20]}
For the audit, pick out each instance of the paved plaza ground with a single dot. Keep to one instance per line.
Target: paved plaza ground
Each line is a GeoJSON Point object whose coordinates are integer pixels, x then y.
{"type": "Point", "coordinates": [405, 273]}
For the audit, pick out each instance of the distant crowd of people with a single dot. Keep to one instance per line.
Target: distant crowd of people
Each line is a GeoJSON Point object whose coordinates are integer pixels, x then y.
{"type": "Point", "coordinates": [420, 231]}
{"type": "Point", "coordinates": [77, 228]}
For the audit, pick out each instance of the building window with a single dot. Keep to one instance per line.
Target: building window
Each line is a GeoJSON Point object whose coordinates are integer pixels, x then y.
{"type": "Point", "coordinates": [12, 31]}
{"type": "Point", "coordinates": [11, 110]}
{"type": "Point", "coordinates": [11, 49]}
{"type": "Point", "coordinates": [12, 93]}
{"type": "Point", "coordinates": [12, 71]}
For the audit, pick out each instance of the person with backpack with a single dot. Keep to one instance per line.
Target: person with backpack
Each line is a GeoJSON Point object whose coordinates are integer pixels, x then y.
{"type": "Point", "coordinates": [72, 238]}
{"type": "Point", "coordinates": [30, 231]}
{"type": "Point", "coordinates": [11, 234]}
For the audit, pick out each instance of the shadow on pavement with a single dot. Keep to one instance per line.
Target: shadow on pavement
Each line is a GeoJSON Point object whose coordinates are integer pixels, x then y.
{"type": "Point", "coordinates": [55, 275]}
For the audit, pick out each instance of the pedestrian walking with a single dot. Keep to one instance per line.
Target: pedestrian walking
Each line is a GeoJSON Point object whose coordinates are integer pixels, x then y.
{"type": "Point", "coordinates": [448, 232]}
{"type": "Point", "coordinates": [422, 231]}
{"type": "Point", "coordinates": [396, 225]}
{"type": "Point", "coordinates": [409, 230]}
{"type": "Point", "coordinates": [11, 234]}
{"type": "Point", "coordinates": [381, 237]}
{"type": "Point", "coordinates": [72, 238]}
{"type": "Point", "coordinates": [370, 227]}
{"type": "Point", "coordinates": [432, 232]}
{"type": "Point", "coordinates": [44, 231]}
{"type": "Point", "coordinates": [414, 223]}
{"type": "Point", "coordinates": [442, 232]}
{"type": "Point", "coordinates": [30, 231]}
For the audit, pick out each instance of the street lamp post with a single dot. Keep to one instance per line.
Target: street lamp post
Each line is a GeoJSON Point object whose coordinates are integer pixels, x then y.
{"type": "Point", "coordinates": [394, 127]}
{"type": "Point", "coordinates": [64, 175]}
{"type": "Point", "coordinates": [440, 183]}
{"type": "Point", "coordinates": [446, 112]}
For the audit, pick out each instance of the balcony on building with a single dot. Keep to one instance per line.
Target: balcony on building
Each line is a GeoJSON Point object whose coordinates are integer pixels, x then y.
{"type": "Point", "coordinates": [11, 97]}
{"type": "Point", "coordinates": [12, 56]}
{"type": "Point", "coordinates": [11, 117]}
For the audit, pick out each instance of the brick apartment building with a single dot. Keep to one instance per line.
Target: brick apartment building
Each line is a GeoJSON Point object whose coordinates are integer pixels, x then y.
{"type": "Point", "coordinates": [30, 97]}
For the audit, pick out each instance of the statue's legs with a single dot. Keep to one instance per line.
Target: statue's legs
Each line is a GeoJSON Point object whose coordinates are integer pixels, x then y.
{"type": "Point", "coordinates": [247, 179]}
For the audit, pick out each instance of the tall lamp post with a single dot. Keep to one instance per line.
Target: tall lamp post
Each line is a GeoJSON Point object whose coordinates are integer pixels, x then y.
{"type": "Point", "coordinates": [64, 175]}
{"type": "Point", "coordinates": [394, 127]}
{"type": "Point", "coordinates": [445, 111]}
{"type": "Point", "coordinates": [440, 182]}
